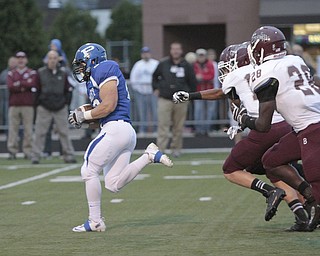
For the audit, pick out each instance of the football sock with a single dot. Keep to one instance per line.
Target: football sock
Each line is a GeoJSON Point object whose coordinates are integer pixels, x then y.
{"type": "Point", "coordinates": [93, 192]}
{"type": "Point", "coordinates": [261, 187]}
{"type": "Point", "coordinates": [132, 170]}
{"type": "Point", "coordinates": [297, 208]}
{"type": "Point", "coordinates": [305, 190]}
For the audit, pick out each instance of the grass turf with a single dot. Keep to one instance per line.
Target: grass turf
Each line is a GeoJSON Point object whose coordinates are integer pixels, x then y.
{"type": "Point", "coordinates": [157, 216]}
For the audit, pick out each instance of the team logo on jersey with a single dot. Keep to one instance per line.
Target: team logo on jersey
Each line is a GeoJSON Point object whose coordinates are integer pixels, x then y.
{"type": "Point", "coordinates": [305, 141]}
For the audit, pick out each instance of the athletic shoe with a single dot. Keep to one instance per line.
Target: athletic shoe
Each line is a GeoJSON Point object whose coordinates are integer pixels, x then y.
{"type": "Point", "coordinates": [91, 226]}
{"type": "Point", "coordinates": [313, 210]}
{"type": "Point", "coordinates": [156, 156]}
{"type": "Point", "coordinates": [274, 198]}
{"type": "Point", "coordinates": [299, 226]}
{"type": "Point", "coordinates": [35, 160]}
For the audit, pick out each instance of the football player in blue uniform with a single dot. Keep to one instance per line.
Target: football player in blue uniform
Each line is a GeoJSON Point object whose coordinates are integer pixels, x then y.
{"type": "Point", "coordinates": [111, 150]}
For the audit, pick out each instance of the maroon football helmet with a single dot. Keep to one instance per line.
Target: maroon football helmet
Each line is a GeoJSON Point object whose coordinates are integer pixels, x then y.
{"type": "Point", "coordinates": [267, 43]}
{"type": "Point", "coordinates": [231, 58]}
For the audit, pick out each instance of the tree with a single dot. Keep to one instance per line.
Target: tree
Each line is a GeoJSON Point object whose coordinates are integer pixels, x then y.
{"type": "Point", "coordinates": [126, 25]}
{"type": "Point", "coordinates": [75, 28]}
{"type": "Point", "coordinates": [21, 30]}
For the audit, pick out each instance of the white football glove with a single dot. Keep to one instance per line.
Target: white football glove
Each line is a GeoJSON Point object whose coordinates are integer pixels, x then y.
{"type": "Point", "coordinates": [233, 131]}
{"type": "Point", "coordinates": [180, 96]}
{"type": "Point", "coordinates": [74, 116]}
{"type": "Point", "coordinates": [238, 112]}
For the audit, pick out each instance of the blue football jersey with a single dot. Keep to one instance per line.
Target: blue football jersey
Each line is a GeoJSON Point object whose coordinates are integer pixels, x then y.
{"type": "Point", "coordinates": [101, 73]}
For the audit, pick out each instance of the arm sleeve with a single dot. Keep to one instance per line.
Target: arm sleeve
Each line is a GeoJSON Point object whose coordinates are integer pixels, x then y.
{"type": "Point", "coordinates": [191, 78]}
{"type": "Point", "coordinates": [30, 82]}
{"type": "Point", "coordinates": [232, 94]}
{"type": "Point", "coordinates": [68, 89]}
{"type": "Point", "coordinates": [133, 76]}
{"type": "Point", "coordinates": [267, 90]}
{"type": "Point", "coordinates": [101, 77]}
{"type": "Point", "coordinates": [156, 77]}
{"type": "Point", "coordinates": [10, 83]}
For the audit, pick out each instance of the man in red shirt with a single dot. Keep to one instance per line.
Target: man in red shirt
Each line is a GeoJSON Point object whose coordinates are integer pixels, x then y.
{"type": "Point", "coordinates": [203, 110]}
{"type": "Point", "coordinates": [21, 85]}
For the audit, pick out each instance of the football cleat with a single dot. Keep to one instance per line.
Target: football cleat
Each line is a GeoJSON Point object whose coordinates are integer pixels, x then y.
{"type": "Point", "coordinates": [299, 226]}
{"type": "Point", "coordinates": [91, 226]}
{"type": "Point", "coordinates": [274, 198]}
{"type": "Point", "coordinates": [156, 156]}
{"type": "Point", "coordinates": [313, 210]}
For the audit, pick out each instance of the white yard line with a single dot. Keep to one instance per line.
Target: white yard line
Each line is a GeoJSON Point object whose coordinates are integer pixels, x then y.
{"type": "Point", "coordinates": [40, 176]}
{"type": "Point", "coordinates": [193, 177]}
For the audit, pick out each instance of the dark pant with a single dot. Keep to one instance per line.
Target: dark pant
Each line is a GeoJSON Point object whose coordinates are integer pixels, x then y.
{"type": "Point", "coordinates": [248, 152]}
{"type": "Point", "coordinates": [304, 145]}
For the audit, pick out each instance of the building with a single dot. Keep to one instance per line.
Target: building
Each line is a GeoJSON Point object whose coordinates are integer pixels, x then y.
{"type": "Point", "coordinates": [217, 23]}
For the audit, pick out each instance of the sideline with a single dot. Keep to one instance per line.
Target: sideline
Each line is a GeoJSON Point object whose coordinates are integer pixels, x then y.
{"type": "Point", "coordinates": [40, 176]}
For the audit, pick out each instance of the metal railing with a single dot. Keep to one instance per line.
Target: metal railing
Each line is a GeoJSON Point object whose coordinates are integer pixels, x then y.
{"type": "Point", "coordinates": [222, 121]}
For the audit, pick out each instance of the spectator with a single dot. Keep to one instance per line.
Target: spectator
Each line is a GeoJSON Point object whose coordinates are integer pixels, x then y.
{"type": "Point", "coordinates": [173, 74]}
{"type": "Point", "coordinates": [212, 56]}
{"type": "Point", "coordinates": [21, 85]}
{"type": "Point", "coordinates": [203, 110]}
{"type": "Point", "coordinates": [141, 82]}
{"type": "Point", "coordinates": [12, 64]}
{"type": "Point", "coordinates": [53, 99]}
{"type": "Point", "coordinates": [56, 45]}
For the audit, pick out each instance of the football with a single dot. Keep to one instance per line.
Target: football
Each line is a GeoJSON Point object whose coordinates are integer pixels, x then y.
{"type": "Point", "coordinates": [86, 107]}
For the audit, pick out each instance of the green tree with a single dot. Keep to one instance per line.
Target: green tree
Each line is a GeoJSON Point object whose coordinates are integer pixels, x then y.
{"type": "Point", "coordinates": [21, 30]}
{"type": "Point", "coordinates": [75, 28]}
{"type": "Point", "coordinates": [126, 25]}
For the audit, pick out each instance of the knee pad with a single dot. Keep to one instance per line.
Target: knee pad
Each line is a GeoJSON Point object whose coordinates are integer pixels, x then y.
{"type": "Point", "coordinates": [111, 186]}
{"type": "Point", "coordinates": [230, 166]}
{"type": "Point", "coordinates": [87, 173]}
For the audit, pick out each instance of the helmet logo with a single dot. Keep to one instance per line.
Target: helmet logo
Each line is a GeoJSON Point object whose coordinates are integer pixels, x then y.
{"type": "Point", "coordinates": [86, 51]}
{"type": "Point", "coordinates": [262, 37]}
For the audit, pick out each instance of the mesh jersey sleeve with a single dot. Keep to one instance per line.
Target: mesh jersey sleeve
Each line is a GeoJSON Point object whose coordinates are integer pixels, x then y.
{"type": "Point", "coordinates": [105, 72]}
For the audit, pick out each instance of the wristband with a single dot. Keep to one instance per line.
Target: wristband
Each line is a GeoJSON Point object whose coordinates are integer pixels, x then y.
{"type": "Point", "coordinates": [87, 115]}
{"type": "Point", "coordinates": [195, 96]}
{"type": "Point", "coordinates": [248, 121]}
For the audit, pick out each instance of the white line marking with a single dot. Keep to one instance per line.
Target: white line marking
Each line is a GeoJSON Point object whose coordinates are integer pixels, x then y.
{"type": "Point", "coordinates": [41, 176]}
{"type": "Point", "coordinates": [193, 177]}
{"type": "Point", "coordinates": [28, 202]}
{"type": "Point", "coordinates": [33, 166]}
{"type": "Point", "coordinates": [205, 199]}
{"type": "Point", "coordinates": [199, 162]}
{"type": "Point", "coordinates": [79, 179]}
{"type": "Point", "coordinates": [116, 201]}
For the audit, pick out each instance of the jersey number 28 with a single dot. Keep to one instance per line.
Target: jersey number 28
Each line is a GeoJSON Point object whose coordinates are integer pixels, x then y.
{"type": "Point", "coordinates": [304, 81]}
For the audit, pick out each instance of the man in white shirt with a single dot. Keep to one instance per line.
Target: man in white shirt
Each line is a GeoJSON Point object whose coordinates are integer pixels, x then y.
{"type": "Point", "coordinates": [141, 83]}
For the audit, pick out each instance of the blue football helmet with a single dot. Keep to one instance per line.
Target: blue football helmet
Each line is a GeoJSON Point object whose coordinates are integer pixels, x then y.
{"type": "Point", "coordinates": [87, 56]}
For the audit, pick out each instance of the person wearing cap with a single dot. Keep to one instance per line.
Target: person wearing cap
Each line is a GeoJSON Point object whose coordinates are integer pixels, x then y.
{"type": "Point", "coordinates": [22, 84]}
{"type": "Point", "coordinates": [141, 83]}
{"type": "Point", "coordinates": [53, 100]}
{"type": "Point", "coordinates": [203, 110]}
{"type": "Point", "coordinates": [173, 74]}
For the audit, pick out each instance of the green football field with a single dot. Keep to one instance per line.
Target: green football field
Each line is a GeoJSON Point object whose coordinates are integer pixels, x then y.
{"type": "Point", "coordinates": [189, 209]}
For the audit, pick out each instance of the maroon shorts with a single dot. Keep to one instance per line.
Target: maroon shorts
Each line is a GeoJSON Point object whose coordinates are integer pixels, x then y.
{"type": "Point", "coordinates": [304, 145]}
{"type": "Point", "coordinates": [247, 153]}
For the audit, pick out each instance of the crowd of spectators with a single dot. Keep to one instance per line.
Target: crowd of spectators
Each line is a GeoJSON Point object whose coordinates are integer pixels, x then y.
{"type": "Point", "coordinates": [36, 102]}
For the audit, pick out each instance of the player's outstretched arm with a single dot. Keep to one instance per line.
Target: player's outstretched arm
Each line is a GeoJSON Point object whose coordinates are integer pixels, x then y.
{"type": "Point", "coordinates": [211, 94]}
